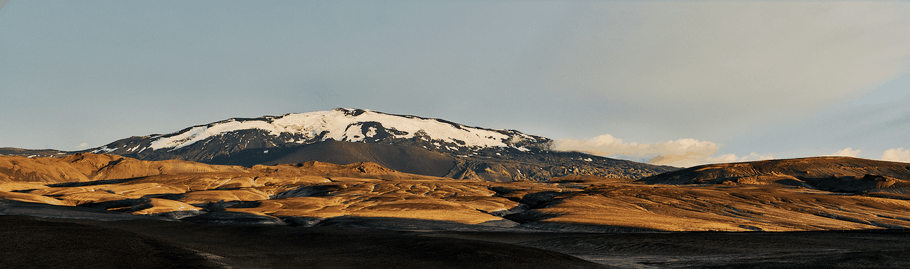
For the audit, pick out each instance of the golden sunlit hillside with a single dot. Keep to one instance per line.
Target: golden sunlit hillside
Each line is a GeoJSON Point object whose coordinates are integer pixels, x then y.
{"type": "Point", "coordinates": [314, 192]}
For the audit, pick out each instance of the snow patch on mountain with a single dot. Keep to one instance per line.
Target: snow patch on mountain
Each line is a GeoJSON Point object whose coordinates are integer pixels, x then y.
{"type": "Point", "coordinates": [346, 125]}
{"type": "Point", "coordinates": [104, 149]}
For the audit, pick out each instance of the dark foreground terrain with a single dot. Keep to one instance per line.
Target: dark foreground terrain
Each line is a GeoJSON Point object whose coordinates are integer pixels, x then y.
{"type": "Point", "coordinates": [31, 242]}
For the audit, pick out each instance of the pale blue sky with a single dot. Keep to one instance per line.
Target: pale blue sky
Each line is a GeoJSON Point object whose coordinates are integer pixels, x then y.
{"type": "Point", "coordinates": [779, 79]}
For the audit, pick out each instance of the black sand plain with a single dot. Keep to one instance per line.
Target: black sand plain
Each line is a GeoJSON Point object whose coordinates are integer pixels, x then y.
{"type": "Point", "coordinates": [118, 242]}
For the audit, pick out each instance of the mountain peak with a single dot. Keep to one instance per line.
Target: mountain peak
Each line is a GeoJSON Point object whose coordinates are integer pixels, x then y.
{"type": "Point", "coordinates": [412, 144]}
{"type": "Point", "coordinates": [351, 125]}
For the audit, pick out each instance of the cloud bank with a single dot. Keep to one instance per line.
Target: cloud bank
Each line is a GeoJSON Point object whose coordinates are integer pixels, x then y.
{"type": "Point", "coordinates": [847, 152]}
{"type": "Point", "coordinates": [897, 155]}
{"type": "Point", "coordinates": [684, 152]}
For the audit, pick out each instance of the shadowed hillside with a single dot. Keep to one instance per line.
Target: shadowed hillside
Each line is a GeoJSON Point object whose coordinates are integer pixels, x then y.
{"type": "Point", "coordinates": [405, 159]}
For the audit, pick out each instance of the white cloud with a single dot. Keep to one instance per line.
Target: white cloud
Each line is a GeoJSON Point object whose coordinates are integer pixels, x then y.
{"type": "Point", "coordinates": [677, 160]}
{"type": "Point", "coordinates": [609, 145]}
{"type": "Point", "coordinates": [726, 158]}
{"type": "Point", "coordinates": [897, 155]}
{"type": "Point", "coordinates": [730, 157]}
{"type": "Point", "coordinates": [83, 145]}
{"type": "Point", "coordinates": [681, 152]}
{"type": "Point", "coordinates": [756, 157]}
{"type": "Point", "coordinates": [847, 152]}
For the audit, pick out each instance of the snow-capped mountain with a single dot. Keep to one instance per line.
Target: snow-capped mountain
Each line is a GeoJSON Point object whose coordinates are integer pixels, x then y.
{"type": "Point", "coordinates": [350, 125]}
{"type": "Point", "coordinates": [406, 143]}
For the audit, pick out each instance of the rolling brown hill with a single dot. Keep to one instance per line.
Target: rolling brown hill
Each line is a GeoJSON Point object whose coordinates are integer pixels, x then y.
{"type": "Point", "coordinates": [95, 167]}
{"type": "Point", "coordinates": [766, 196]}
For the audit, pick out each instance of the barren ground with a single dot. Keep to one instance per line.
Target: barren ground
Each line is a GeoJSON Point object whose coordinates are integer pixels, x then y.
{"type": "Point", "coordinates": [715, 214]}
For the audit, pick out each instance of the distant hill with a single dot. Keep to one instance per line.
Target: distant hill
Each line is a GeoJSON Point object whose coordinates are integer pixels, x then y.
{"type": "Point", "coordinates": [841, 174]}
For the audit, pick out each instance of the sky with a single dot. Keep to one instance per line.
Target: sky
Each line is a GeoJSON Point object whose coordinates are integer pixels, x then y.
{"type": "Point", "coordinates": [678, 83]}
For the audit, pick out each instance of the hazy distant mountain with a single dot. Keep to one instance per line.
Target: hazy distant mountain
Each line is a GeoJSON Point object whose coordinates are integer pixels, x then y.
{"type": "Point", "coordinates": [406, 143]}
{"type": "Point", "coordinates": [33, 152]}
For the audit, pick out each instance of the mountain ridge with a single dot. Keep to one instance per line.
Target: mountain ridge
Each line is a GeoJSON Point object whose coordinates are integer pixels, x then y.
{"type": "Point", "coordinates": [361, 135]}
